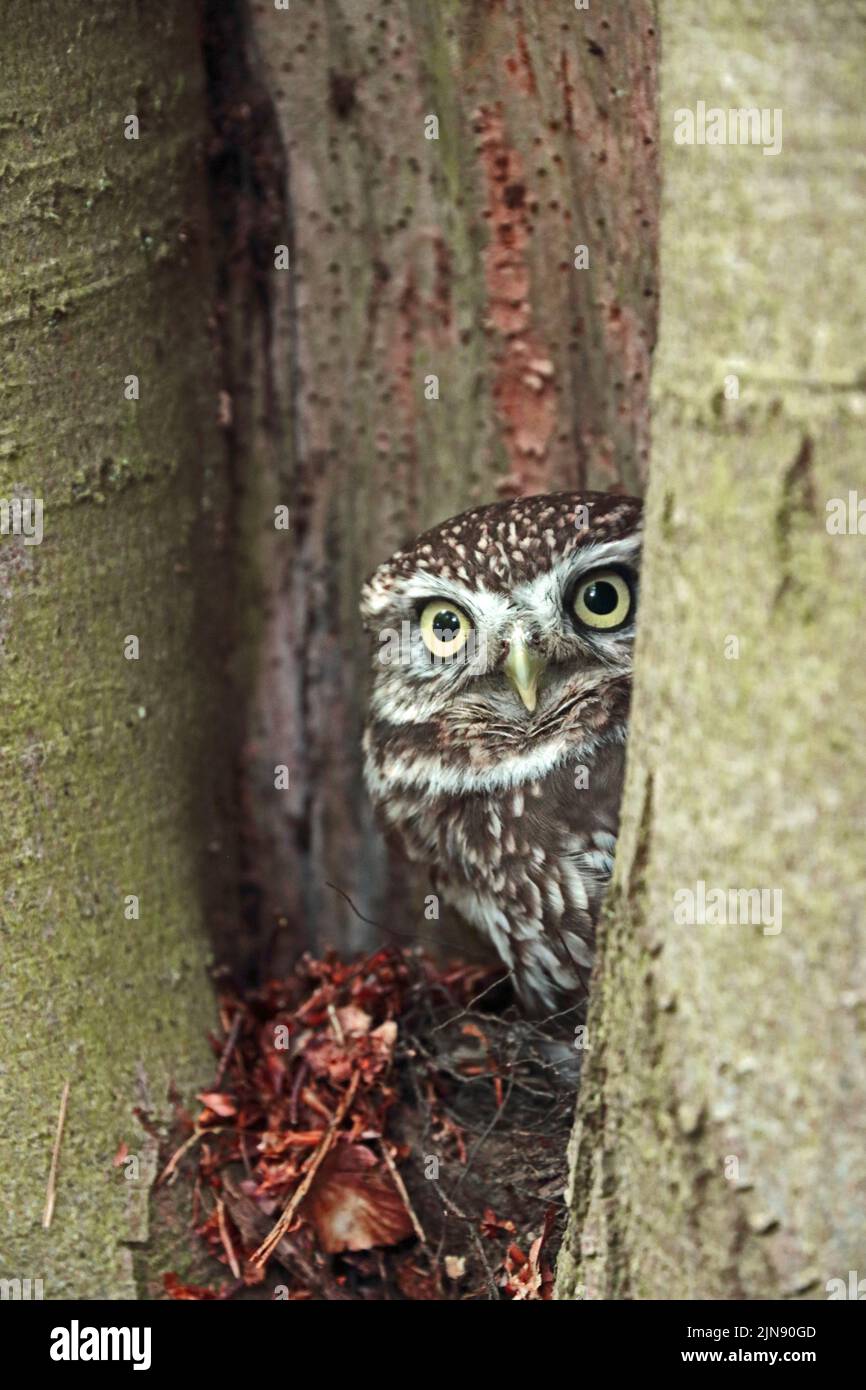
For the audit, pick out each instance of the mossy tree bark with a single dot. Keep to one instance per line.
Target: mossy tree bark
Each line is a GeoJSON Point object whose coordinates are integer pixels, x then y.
{"type": "Point", "coordinates": [720, 1146]}
{"type": "Point", "coordinates": [437, 342]}
{"type": "Point", "coordinates": [108, 793]}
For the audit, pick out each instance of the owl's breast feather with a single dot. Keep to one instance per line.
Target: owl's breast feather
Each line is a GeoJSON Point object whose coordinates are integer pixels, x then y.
{"type": "Point", "coordinates": [526, 866]}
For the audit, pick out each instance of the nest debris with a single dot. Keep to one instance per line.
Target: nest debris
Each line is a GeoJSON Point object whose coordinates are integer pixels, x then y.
{"type": "Point", "coordinates": [379, 1129]}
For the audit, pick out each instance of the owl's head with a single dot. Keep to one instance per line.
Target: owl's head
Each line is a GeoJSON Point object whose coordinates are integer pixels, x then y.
{"type": "Point", "coordinates": [502, 632]}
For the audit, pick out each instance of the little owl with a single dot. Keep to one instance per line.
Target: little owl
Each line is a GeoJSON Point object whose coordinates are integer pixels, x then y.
{"type": "Point", "coordinates": [495, 744]}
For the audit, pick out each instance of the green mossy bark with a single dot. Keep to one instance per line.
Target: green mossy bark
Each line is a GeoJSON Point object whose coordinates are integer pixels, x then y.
{"type": "Point", "coordinates": [106, 762]}
{"type": "Point", "coordinates": [718, 1043]}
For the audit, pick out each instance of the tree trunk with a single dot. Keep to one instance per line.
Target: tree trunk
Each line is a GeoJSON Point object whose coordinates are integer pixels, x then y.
{"type": "Point", "coordinates": [720, 1146]}
{"type": "Point", "coordinates": [437, 342]}
{"type": "Point", "coordinates": [108, 790]}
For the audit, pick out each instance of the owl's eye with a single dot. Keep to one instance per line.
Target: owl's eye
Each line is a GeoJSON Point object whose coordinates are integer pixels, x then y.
{"type": "Point", "coordinates": [444, 628]}
{"type": "Point", "coordinates": [602, 600]}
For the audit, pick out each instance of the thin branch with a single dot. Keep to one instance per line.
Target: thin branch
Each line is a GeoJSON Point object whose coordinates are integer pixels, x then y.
{"type": "Point", "coordinates": [401, 1188]}
{"type": "Point", "coordinates": [229, 1048]}
{"type": "Point", "coordinates": [226, 1238]}
{"type": "Point", "coordinates": [51, 1190]}
{"type": "Point", "coordinates": [178, 1154]}
{"type": "Point", "coordinates": [271, 1241]}
{"type": "Point", "coordinates": [336, 1025]}
{"type": "Point", "coordinates": [509, 975]}
{"type": "Point", "coordinates": [483, 1137]}
{"type": "Point", "coordinates": [394, 931]}
{"type": "Point", "coordinates": [476, 1239]}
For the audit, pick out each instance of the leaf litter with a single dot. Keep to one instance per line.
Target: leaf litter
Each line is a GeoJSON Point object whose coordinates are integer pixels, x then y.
{"type": "Point", "coordinates": [382, 1129]}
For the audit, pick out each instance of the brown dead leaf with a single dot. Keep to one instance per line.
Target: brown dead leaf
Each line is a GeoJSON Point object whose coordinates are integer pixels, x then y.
{"type": "Point", "coordinates": [527, 1277]}
{"type": "Point", "coordinates": [328, 1058]}
{"type": "Point", "coordinates": [491, 1225]}
{"type": "Point", "coordinates": [386, 1034]}
{"type": "Point", "coordinates": [175, 1289]}
{"type": "Point", "coordinates": [353, 1203]}
{"type": "Point", "coordinates": [416, 1284]}
{"type": "Point", "coordinates": [220, 1104]}
{"type": "Point", "coordinates": [354, 1022]}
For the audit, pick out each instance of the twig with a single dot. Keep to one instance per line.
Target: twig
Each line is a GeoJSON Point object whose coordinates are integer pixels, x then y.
{"type": "Point", "coordinates": [369, 921]}
{"type": "Point", "coordinates": [476, 1239]}
{"type": "Point", "coordinates": [509, 975]}
{"type": "Point", "coordinates": [248, 1220]}
{"type": "Point", "coordinates": [226, 1238]}
{"type": "Point", "coordinates": [51, 1190]}
{"type": "Point", "coordinates": [480, 1141]}
{"type": "Point", "coordinates": [401, 1188]}
{"type": "Point", "coordinates": [229, 1048]}
{"type": "Point", "coordinates": [270, 1242]}
{"type": "Point", "coordinates": [296, 1088]}
{"type": "Point", "coordinates": [178, 1155]}
{"type": "Point", "coordinates": [393, 931]}
{"type": "Point", "coordinates": [336, 1025]}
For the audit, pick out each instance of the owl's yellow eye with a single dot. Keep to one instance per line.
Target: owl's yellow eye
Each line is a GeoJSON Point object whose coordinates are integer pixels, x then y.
{"type": "Point", "coordinates": [602, 600]}
{"type": "Point", "coordinates": [444, 628]}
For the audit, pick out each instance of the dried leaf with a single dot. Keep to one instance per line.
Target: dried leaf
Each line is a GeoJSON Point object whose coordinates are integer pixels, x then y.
{"type": "Point", "coordinates": [175, 1289]}
{"type": "Point", "coordinates": [220, 1104]}
{"type": "Point", "coordinates": [491, 1226]}
{"type": "Point", "coordinates": [353, 1203]}
{"type": "Point", "coordinates": [417, 1284]}
{"type": "Point", "coordinates": [354, 1022]}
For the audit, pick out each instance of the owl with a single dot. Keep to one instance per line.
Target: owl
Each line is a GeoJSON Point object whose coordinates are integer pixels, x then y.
{"type": "Point", "coordinates": [495, 741]}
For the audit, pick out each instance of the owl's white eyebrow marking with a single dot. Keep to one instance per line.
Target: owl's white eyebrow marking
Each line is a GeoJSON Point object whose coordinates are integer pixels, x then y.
{"type": "Point", "coordinates": [484, 606]}
{"type": "Point", "coordinates": [490, 608]}
{"type": "Point", "coordinates": [546, 588]}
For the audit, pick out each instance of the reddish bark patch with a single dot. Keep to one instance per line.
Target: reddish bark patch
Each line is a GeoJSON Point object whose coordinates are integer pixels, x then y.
{"type": "Point", "coordinates": [524, 393]}
{"type": "Point", "coordinates": [519, 66]}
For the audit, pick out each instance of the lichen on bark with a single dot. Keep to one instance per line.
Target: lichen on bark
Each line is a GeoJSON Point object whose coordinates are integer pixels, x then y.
{"type": "Point", "coordinates": [108, 764]}
{"type": "Point", "coordinates": [720, 1145]}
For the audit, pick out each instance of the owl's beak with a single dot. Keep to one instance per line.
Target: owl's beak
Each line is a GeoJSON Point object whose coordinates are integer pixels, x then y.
{"type": "Point", "coordinates": [523, 668]}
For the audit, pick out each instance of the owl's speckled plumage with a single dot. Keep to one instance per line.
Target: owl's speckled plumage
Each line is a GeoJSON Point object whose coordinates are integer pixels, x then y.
{"type": "Point", "coordinates": [479, 786]}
